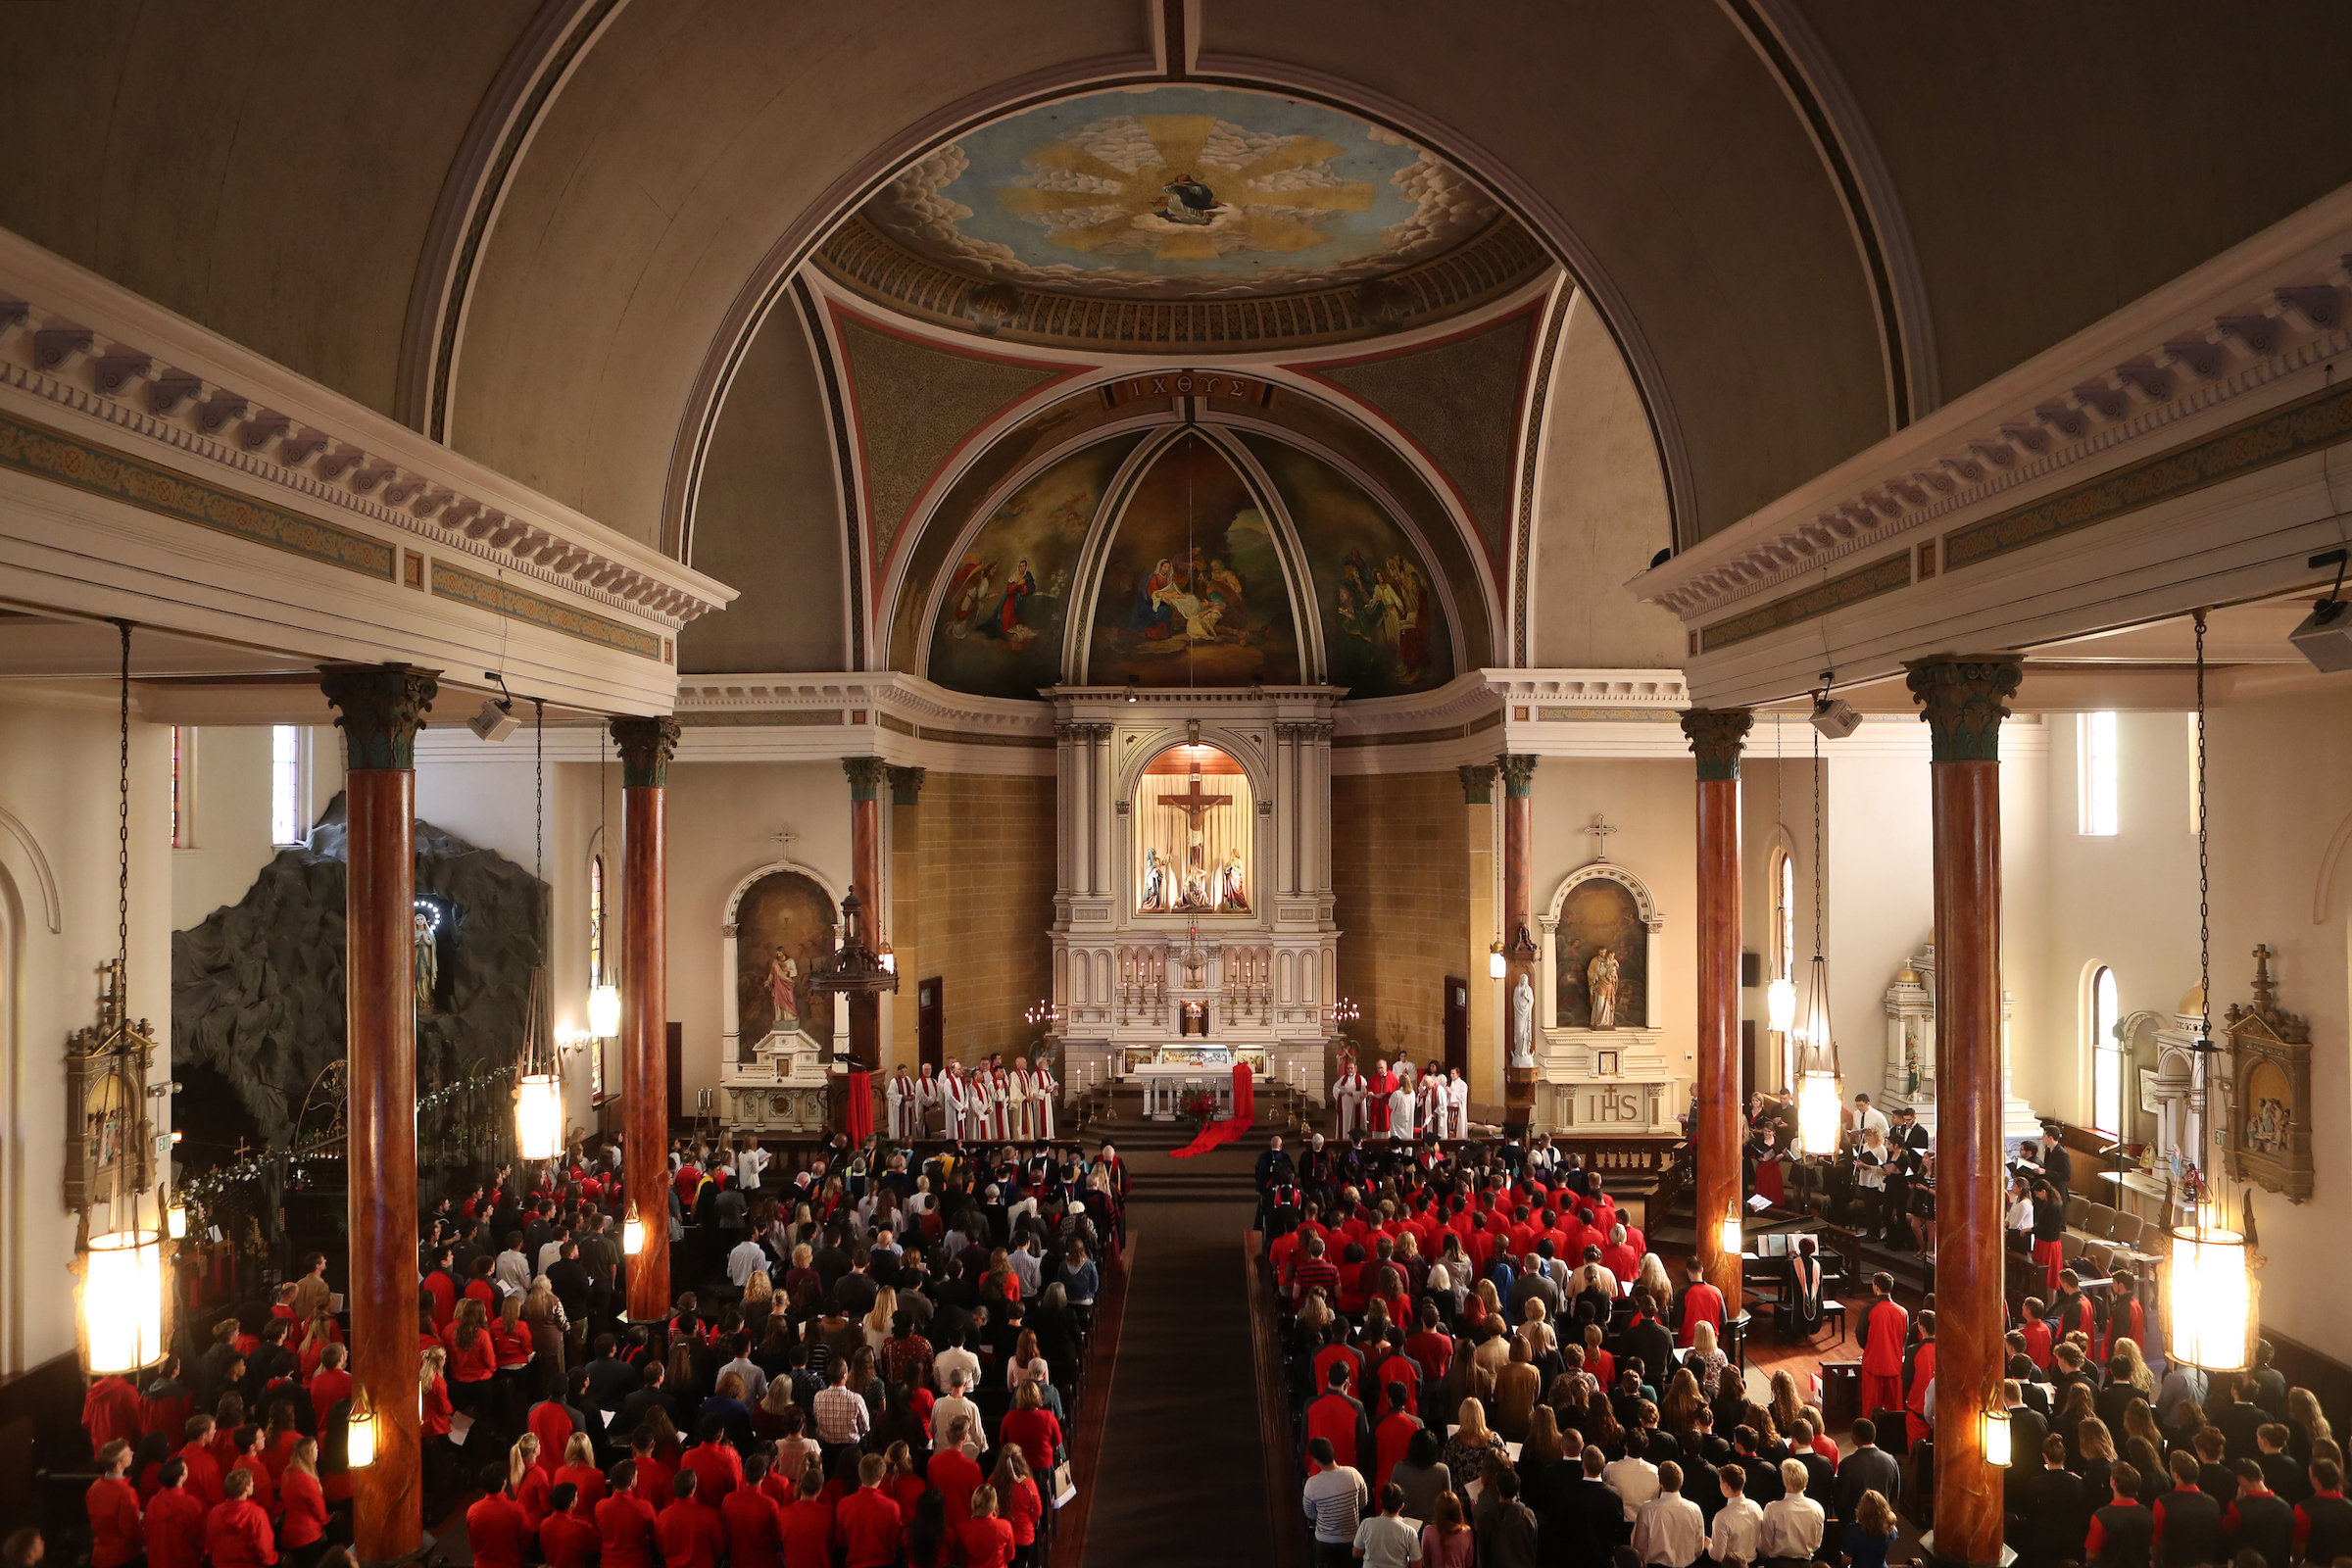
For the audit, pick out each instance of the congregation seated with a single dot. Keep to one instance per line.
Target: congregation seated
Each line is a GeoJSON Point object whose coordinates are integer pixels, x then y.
{"type": "Point", "coordinates": [910, 1384]}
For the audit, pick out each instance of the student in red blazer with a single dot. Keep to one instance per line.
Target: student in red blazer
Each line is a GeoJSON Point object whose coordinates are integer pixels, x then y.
{"type": "Point", "coordinates": [567, 1537]}
{"type": "Point", "coordinates": [175, 1520]}
{"type": "Point", "coordinates": [237, 1532]}
{"type": "Point", "coordinates": [303, 1499]}
{"type": "Point", "coordinates": [624, 1523]}
{"type": "Point", "coordinates": [752, 1520]}
{"type": "Point", "coordinates": [1883, 1330]}
{"type": "Point", "coordinates": [116, 1536]}
{"type": "Point", "coordinates": [690, 1533]}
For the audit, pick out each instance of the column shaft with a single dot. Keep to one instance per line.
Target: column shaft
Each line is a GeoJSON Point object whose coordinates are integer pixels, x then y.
{"type": "Point", "coordinates": [1964, 704]}
{"type": "Point", "coordinates": [646, 746]}
{"type": "Point", "coordinates": [382, 707]}
{"type": "Point", "coordinates": [1716, 736]}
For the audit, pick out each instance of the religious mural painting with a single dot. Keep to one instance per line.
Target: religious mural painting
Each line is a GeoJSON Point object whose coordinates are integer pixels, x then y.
{"type": "Point", "coordinates": [1192, 590]}
{"type": "Point", "coordinates": [1603, 952]}
{"type": "Point", "coordinates": [783, 929]}
{"type": "Point", "coordinates": [999, 626]}
{"type": "Point", "coordinates": [1385, 630]}
{"type": "Point", "coordinates": [1177, 188]}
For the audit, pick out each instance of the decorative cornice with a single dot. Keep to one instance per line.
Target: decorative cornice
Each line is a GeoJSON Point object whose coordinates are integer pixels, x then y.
{"type": "Point", "coordinates": [1478, 783]}
{"type": "Point", "coordinates": [1963, 701]}
{"type": "Point", "coordinates": [1491, 264]}
{"type": "Point", "coordinates": [188, 400]}
{"type": "Point", "coordinates": [2231, 331]}
{"type": "Point", "coordinates": [1716, 736]}
{"type": "Point", "coordinates": [379, 708]}
{"type": "Point", "coordinates": [646, 747]}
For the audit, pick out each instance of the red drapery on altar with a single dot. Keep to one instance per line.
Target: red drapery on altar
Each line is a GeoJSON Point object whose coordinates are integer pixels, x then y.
{"type": "Point", "coordinates": [1219, 1133]}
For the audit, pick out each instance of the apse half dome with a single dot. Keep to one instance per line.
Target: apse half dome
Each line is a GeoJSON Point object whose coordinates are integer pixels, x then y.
{"type": "Point", "coordinates": [1193, 558]}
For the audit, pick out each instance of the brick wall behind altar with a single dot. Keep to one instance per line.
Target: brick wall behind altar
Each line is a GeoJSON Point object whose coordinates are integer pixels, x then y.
{"type": "Point", "coordinates": [979, 916]}
{"type": "Point", "coordinates": [1402, 875]}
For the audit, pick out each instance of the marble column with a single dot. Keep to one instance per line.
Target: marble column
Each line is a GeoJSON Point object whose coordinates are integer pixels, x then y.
{"type": "Point", "coordinates": [1963, 701]}
{"type": "Point", "coordinates": [904, 928]}
{"type": "Point", "coordinates": [866, 775]}
{"type": "Point", "coordinates": [1716, 736]}
{"type": "Point", "coordinates": [646, 746]}
{"type": "Point", "coordinates": [1518, 924]}
{"type": "Point", "coordinates": [1485, 1071]}
{"type": "Point", "coordinates": [380, 708]}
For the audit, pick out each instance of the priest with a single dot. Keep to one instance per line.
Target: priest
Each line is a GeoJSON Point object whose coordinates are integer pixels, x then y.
{"type": "Point", "coordinates": [955, 1102]}
{"type": "Point", "coordinates": [898, 1092]}
{"type": "Point", "coordinates": [1347, 1096]}
{"type": "Point", "coordinates": [1047, 1089]}
{"type": "Point", "coordinates": [927, 1108]}
{"type": "Point", "coordinates": [980, 1105]}
{"type": "Point", "coordinates": [1381, 1085]}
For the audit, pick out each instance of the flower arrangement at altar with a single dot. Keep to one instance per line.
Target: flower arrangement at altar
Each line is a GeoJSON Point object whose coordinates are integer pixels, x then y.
{"type": "Point", "coordinates": [1199, 1104]}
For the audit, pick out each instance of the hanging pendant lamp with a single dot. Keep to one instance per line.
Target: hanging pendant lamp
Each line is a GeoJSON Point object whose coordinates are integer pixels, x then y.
{"type": "Point", "coordinates": [538, 1089]}
{"type": "Point", "coordinates": [1779, 997]}
{"type": "Point", "coordinates": [1819, 1095]}
{"type": "Point", "coordinates": [2208, 1296]}
{"type": "Point", "coordinates": [119, 1297]}
{"type": "Point", "coordinates": [603, 997]}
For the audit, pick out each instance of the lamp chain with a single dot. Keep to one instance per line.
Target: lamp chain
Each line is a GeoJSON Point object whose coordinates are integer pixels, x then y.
{"type": "Point", "coordinates": [123, 837]}
{"type": "Point", "coordinates": [539, 844]}
{"type": "Point", "coordinates": [2204, 1051]}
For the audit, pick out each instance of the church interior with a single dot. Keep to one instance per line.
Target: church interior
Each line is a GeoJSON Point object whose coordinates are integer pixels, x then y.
{"type": "Point", "coordinates": [1366, 686]}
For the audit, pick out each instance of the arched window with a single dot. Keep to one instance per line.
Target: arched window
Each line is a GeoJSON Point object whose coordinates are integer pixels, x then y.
{"type": "Point", "coordinates": [596, 920]}
{"type": "Point", "coordinates": [2106, 1056]}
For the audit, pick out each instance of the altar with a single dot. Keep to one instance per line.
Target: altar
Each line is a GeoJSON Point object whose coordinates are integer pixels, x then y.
{"type": "Point", "coordinates": [1165, 1072]}
{"type": "Point", "coordinates": [780, 1089]}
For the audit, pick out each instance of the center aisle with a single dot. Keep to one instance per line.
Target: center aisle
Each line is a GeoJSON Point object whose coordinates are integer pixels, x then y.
{"type": "Point", "coordinates": [1181, 1478]}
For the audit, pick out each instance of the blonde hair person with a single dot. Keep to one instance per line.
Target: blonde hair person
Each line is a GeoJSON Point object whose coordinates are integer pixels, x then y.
{"type": "Point", "coordinates": [433, 1364]}
{"type": "Point", "coordinates": [520, 1460]}
{"type": "Point", "coordinates": [1875, 1515]}
{"type": "Point", "coordinates": [1652, 1277]}
{"type": "Point", "coordinates": [2139, 1376]}
{"type": "Point", "coordinates": [578, 1450]}
{"type": "Point", "coordinates": [1472, 1440]}
{"type": "Point", "coordinates": [1517, 1388]}
{"type": "Point", "coordinates": [541, 1306]}
{"type": "Point", "coordinates": [1484, 1289]}
{"type": "Point", "coordinates": [758, 1290]}
{"type": "Point", "coordinates": [303, 1458]}
{"type": "Point", "coordinates": [316, 1334]}
{"type": "Point", "coordinates": [2095, 1441]}
{"type": "Point", "coordinates": [877, 1322]}
{"type": "Point", "coordinates": [2306, 1423]}
{"type": "Point", "coordinates": [2141, 1422]}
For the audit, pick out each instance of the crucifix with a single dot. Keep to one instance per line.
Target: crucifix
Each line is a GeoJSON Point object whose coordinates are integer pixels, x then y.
{"type": "Point", "coordinates": [784, 838]}
{"type": "Point", "coordinates": [1601, 832]}
{"type": "Point", "coordinates": [1192, 804]}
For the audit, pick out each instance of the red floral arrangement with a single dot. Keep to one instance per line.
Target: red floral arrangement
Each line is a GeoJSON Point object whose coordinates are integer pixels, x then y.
{"type": "Point", "coordinates": [1201, 1104]}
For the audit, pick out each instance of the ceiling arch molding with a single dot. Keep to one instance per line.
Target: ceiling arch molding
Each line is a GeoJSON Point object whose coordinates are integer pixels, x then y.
{"type": "Point", "coordinates": [559, 36]}
{"type": "Point", "coordinates": [761, 291]}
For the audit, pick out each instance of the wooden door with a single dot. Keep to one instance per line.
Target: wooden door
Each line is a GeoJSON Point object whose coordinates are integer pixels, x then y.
{"type": "Point", "coordinates": [1748, 1062]}
{"type": "Point", "coordinates": [674, 1070]}
{"type": "Point", "coordinates": [928, 1031]}
{"type": "Point", "coordinates": [1457, 1024]}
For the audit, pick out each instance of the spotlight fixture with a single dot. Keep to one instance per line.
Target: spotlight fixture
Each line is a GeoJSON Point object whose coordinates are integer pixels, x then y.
{"type": "Point", "coordinates": [496, 721]}
{"type": "Point", "coordinates": [1833, 716]}
{"type": "Point", "coordinates": [2326, 636]}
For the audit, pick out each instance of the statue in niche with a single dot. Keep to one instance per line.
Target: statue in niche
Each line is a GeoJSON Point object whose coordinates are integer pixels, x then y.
{"type": "Point", "coordinates": [1196, 898]}
{"type": "Point", "coordinates": [783, 989]}
{"type": "Point", "coordinates": [1523, 1018]}
{"type": "Point", "coordinates": [1600, 984]}
{"type": "Point", "coordinates": [428, 961]}
{"type": "Point", "coordinates": [1230, 894]}
{"type": "Point", "coordinates": [1155, 883]}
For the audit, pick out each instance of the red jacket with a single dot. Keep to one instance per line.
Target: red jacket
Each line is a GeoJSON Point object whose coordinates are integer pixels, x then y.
{"type": "Point", "coordinates": [718, 1469]}
{"type": "Point", "coordinates": [112, 1410]}
{"type": "Point", "coordinates": [175, 1529]}
{"type": "Point", "coordinates": [437, 1408]}
{"type": "Point", "coordinates": [755, 1528]}
{"type": "Point", "coordinates": [566, 1541]}
{"type": "Point", "coordinates": [1025, 1510]}
{"type": "Point", "coordinates": [551, 1424]}
{"type": "Point", "coordinates": [691, 1537]}
{"type": "Point", "coordinates": [808, 1526]}
{"type": "Point", "coordinates": [326, 1388]}
{"type": "Point", "coordinates": [987, 1542]}
{"type": "Point", "coordinates": [624, 1528]}
{"type": "Point", "coordinates": [498, 1532]}
{"type": "Point", "coordinates": [1389, 1440]}
{"type": "Point", "coordinates": [869, 1528]}
{"type": "Point", "coordinates": [263, 1491]}
{"type": "Point", "coordinates": [531, 1498]}
{"type": "Point", "coordinates": [475, 1363]}
{"type": "Point", "coordinates": [237, 1535]}
{"type": "Point", "coordinates": [204, 1475]}
{"type": "Point", "coordinates": [1035, 1433]}
{"type": "Point", "coordinates": [956, 1477]}
{"type": "Point", "coordinates": [590, 1481]}
{"type": "Point", "coordinates": [116, 1536]}
{"type": "Point", "coordinates": [306, 1509]}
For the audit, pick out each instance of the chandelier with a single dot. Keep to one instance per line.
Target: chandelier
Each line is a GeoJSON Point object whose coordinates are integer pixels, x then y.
{"type": "Point", "coordinates": [603, 997]}
{"type": "Point", "coordinates": [538, 1089]}
{"type": "Point", "coordinates": [853, 970]}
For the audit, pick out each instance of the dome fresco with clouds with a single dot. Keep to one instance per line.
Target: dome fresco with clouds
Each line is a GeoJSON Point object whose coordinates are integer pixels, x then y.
{"type": "Point", "coordinates": [1181, 192]}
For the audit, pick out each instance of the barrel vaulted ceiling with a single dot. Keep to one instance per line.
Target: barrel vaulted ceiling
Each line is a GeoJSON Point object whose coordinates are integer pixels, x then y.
{"type": "Point", "coordinates": [580, 239]}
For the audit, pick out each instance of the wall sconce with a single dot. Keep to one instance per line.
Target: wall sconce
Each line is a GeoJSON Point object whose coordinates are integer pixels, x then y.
{"type": "Point", "coordinates": [633, 1234]}
{"type": "Point", "coordinates": [358, 1448]}
{"type": "Point", "coordinates": [1732, 1243]}
{"type": "Point", "coordinates": [1996, 1439]}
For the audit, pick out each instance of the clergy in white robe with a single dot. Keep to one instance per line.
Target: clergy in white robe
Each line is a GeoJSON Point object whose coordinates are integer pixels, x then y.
{"type": "Point", "coordinates": [1017, 1111]}
{"type": "Point", "coordinates": [898, 1094]}
{"type": "Point", "coordinates": [1048, 1090]}
{"type": "Point", "coordinates": [1458, 1105]}
{"type": "Point", "coordinates": [955, 1102]}
{"type": "Point", "coordinates": [1433, 1106]}
{"type": "Point", "coordinates": [1001, 1082]}
{"type": "Point", "coordinates": [927, 1110]}
{"type": "Point", "coordinates": [1403, 1105]}
{"type": "Point", "coordinates": [1348, 1094]}
{"type": "Point", "coordinates": [979, 1107]}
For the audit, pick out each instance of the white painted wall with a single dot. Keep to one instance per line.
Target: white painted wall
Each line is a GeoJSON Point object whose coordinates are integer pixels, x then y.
{"type": "Point", "coordinates": [58, 755]}
{"type": "Point", "coordinates": [231, 810]}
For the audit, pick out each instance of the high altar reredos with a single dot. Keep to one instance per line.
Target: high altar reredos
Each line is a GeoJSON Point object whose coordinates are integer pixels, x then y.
{"type": "Point", "coordinates": [1193, 904]}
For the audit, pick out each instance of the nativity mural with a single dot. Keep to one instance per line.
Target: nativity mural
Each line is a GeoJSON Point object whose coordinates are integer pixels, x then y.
{"type": "Point", "coordinates": [1385, 631]}
{"type": "Point", "coordinates": [1192, 590]}
{"type": "Point", "coordinates": [783, 929]}
{"type": "Point", "coordinates": [1001, 622]}
{"type": "Point", "coordinates": [1603, 952]}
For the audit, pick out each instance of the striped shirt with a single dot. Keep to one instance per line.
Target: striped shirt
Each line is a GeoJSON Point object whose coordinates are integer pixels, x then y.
{"type": "Point", "coordinates": [1335, 1502]}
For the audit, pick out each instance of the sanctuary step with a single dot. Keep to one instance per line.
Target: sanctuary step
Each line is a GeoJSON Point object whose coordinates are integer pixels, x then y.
{"type": "Point", "coordinates": [1223, 1174]}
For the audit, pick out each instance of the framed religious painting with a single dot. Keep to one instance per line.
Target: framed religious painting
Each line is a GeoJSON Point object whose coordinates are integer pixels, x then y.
{"type": "Point", "coordinates": [2271, 1111]}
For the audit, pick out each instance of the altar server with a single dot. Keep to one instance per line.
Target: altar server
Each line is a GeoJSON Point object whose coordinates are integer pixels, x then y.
{"type": "Point", "coordinates": [955, 1102]}
{"type": "Point", "coordinates": [1349, 1096]}
{"type": "Point", "coordinates": [899, 1092]}
{"type": "Point", "coordinates": [928, 1118]}
{"type": "Point", "coordinates": [1048, 1090]}
{"type": "Point", "coordinates": [1404, 1107]}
